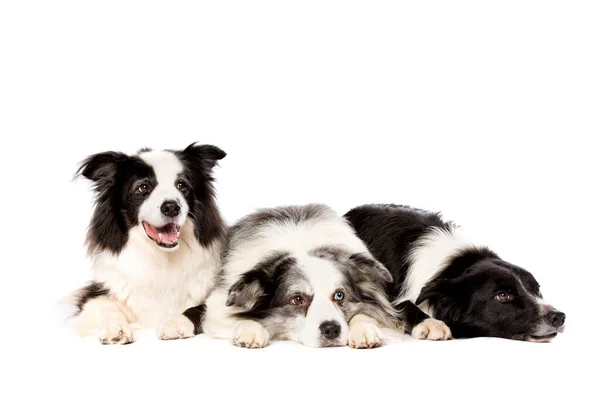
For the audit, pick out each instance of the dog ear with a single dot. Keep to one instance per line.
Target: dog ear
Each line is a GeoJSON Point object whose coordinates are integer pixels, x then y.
{"type": "Point", "coordinates": [255, 288]}
{"type": "Point", "coordinates": [246, 292]}
{"type": "Point", "coordinates": [205, 155]}
{"type": "Point", "coordinates": [101, 168]}
{"type": "Point", "coordinates": [446, 297]}
{"type": "Point", "coordinates": [371, 269]}
{"type": "Point", "coordinates": [363, 265]}
{"type": "Point", "coordinates": [430, 292]}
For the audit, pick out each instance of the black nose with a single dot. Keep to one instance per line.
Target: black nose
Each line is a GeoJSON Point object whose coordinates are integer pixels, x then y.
{"type": "Point", "coordinates": [170, 208]}
{"type": "Point", "coordinates": [330, 329]}
{"type": "Point", "coordinates": [555, 318]}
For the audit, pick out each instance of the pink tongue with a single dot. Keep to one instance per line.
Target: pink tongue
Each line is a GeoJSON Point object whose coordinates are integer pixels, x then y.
{"type": "Point", "coordinates": [168, 234]}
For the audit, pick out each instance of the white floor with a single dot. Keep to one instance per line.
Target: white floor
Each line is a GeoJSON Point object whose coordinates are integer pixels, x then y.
{"type": "Point", "coordinates": [201, 367]}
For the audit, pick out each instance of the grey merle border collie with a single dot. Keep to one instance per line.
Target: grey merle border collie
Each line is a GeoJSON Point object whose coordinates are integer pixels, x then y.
{"type": "Point", "coordinates": [155, 239]}
{"type": "Point", "coordinates": [467, 286]}
{"type": "Point", "coordinates": [298, 273]}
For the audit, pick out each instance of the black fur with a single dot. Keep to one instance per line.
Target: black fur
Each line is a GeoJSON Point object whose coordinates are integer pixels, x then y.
{"type": "Point", "coordinates": [463, 293]}
{"type": "Point", "coordinates": [263, 287]}
{"type": "Point", "coordinates": [196, 316]}
{"type": "Point", "coordinates": [117, 203]}
{"type": "Point", "coordinates": [264, 294]}
{"type": "Point", "coordinates": [91, 291]}
{"type": "Point", "coordinates": [390, 232]}
{"type": "Point", "coordinates": [117, 175]}
{"type": "Point", "coordinates": [410, 314]}
{"type": "Point", "coordinates": [199, 162]}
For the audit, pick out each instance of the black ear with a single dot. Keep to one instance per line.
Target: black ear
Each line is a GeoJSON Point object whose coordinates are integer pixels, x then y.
{"type": "Point", "coordinates": [448, 298]}
{"type": "Point", "coordinates": [247, 291]}
{"type": "Point", "coordinates": [205, 155]}
{"type": "Point", "coordinates": [101, 168]}
{"type": "Point", "coordinates": [431, 292]}
{"type": "Point", "coordinates": [255, 288]}
{"type": "Point", "coordinates": [371, 269]}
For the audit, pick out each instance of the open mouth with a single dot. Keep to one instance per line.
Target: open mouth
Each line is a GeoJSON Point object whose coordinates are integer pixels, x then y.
{"type": "Point", "coordinates": [165, 236]}
{"type": "Point", "coordinates": [541, 339]}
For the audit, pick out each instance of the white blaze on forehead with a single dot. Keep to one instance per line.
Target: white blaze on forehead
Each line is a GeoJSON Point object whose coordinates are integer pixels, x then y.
{"type": "Point", "coordinates": [323, 277]}
{"type": "Point", "coordinates": [167, 168]}
{"type": "Point", "coordinates": [165, 164]}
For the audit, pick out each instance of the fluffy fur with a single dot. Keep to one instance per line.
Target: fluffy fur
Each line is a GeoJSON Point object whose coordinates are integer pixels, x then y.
{"type": "Point", "coordinates": [298, 273]}
{"type": "Point", "coordinates": [155, 240]}
{"type": "Point", "coordinates": [467, 286]}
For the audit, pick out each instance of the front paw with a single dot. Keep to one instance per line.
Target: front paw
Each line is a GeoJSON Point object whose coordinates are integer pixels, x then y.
{"type": "Point", "coordinates": [364, 336]}
{"type": "Point", "coordinates": [431, 329]}
{"type": "Point", "coordinates": [115, 333]}
{"type": "Point", "coordinates": [178, 327]}
{"type": "Point", "coordinates": [250, 334]}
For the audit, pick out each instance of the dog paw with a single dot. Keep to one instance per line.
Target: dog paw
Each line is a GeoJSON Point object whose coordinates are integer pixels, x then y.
{"type": "Point", "coordinates": [250, 334]}
{"type": "Point", "coordinates": [365, 336]}
{"type": "Point", "coordinates": [178, 327]}
{"type": "Point", "coordinates": [431, 329]}
{"type": "Point", "coordinates": [115, 333]}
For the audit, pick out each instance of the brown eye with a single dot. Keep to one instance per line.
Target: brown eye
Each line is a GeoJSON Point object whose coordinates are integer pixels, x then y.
{"type": "Point", "coordinates": [181, 185]}
{"type": "Point", "coordinates": [143, 188]}
{"type": "Point", "coordinates": [503, 296]}
{"type": "Point", "coordinates": [297, 300]}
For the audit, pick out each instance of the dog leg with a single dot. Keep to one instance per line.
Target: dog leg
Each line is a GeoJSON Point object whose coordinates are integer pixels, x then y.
{"type": "Point", "coordinates": [431, 329]}
{"type": "Point", "coordinates": [250, 334]}
{"type": "Point", "coordinates": [177, 327]}
{"type": "Point", "coordinates": [101, 317]}
{"type": "Point", "coordinates": [183, 326]}
{"type": "Point", "coordinates": [420, 325]}
{"type": "Point", "coordinates": [364, 333]}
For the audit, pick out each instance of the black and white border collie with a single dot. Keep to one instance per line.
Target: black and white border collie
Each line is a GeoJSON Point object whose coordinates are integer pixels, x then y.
{"type": "Point", "coordinates": [467, 286]}
{"type": "Point", "coordinates": [298, 273]}
{"type": "Point", "coordinates": [155, 239]}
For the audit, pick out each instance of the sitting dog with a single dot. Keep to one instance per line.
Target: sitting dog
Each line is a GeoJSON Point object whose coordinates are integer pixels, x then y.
{"type": "Point", "coordinates": [469, 287]}
{"type": "Point", "coordinates": [297, 273]}
{"type": "Point", "coordinates": [155, 239]}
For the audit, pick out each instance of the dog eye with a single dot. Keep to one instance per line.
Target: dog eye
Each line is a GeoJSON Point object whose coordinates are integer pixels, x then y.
{"type": "Point", "coordinates": [504, 296]}
{"type": "Point", "coordinates": [297, 300]}
{"type": "Point", "coordinates": [338, 296]}
{"type": "Point", "coordinates": [143, 188]}
{"type": "Point", "coordinates": [181, 185]}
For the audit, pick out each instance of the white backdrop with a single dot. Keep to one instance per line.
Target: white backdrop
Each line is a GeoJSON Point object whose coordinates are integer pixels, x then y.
{"type": "Point", "coordinates": [488, 112]}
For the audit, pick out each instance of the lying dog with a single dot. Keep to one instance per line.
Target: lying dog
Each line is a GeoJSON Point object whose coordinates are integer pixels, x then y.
{"type": "Point", "coordinates": [469, 287]}
{"type": "Point", "coordinates": [297, 273]}
{"type": "Point", "coordinates": [155, 238]}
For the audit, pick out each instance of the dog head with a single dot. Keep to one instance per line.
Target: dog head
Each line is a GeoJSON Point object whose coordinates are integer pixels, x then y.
{"type": "Point", "coordinates": [310, 298]}
{"type": "Point", "coordinates": [490, 297]}
{"type": "Point", "coordinates": [153, 194]}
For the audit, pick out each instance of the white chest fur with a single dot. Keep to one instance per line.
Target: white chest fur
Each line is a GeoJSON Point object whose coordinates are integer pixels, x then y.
{"type": "Point", "coordinates": [151, 284]}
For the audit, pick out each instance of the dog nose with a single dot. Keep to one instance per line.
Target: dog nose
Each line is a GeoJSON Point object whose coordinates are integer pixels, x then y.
{"type": "Point", "coordinates": [170, 208]}
{"type": "Point", "coordinates": [330, 329]}
{"type": "Point", "coordinates": [555, 318]}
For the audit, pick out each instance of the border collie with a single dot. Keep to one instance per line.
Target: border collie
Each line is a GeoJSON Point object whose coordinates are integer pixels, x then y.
{"type": "Point", "coordinates": [155, 239]}
{"type": "Point", "coordinates": [298, 273]}
{"type": "Point", "coordinates": [467, 286]}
